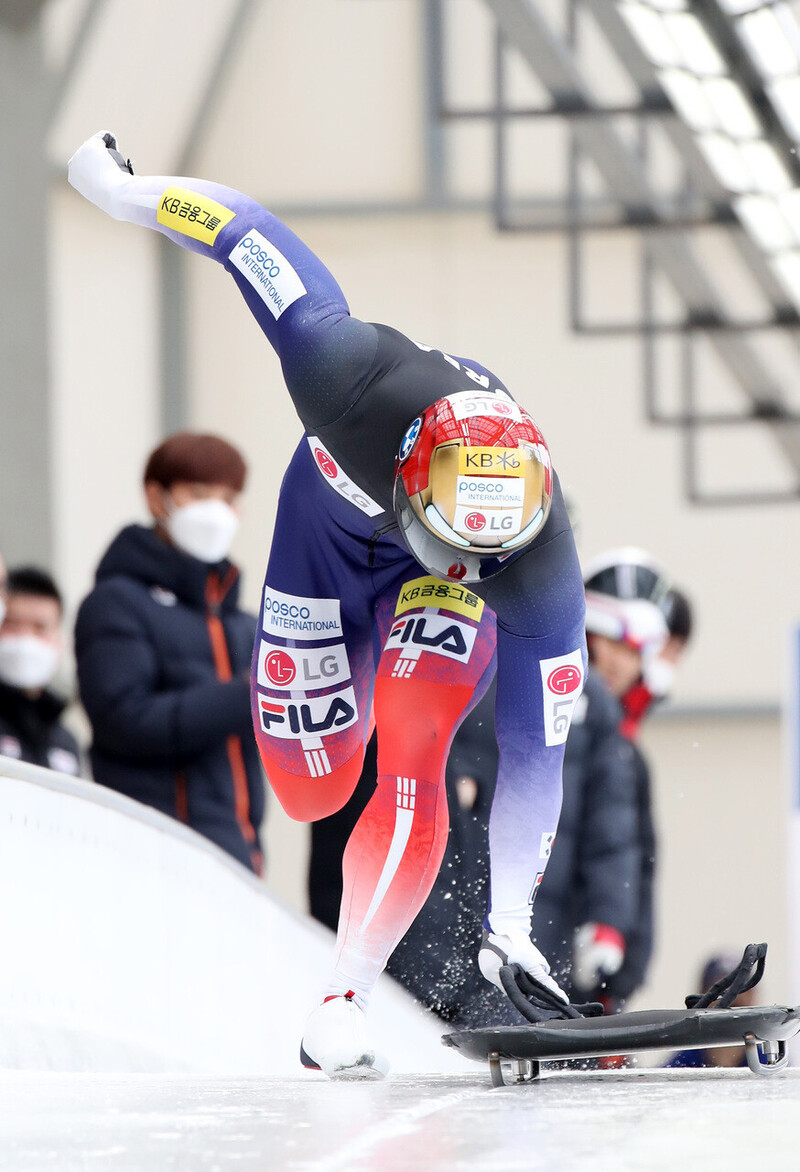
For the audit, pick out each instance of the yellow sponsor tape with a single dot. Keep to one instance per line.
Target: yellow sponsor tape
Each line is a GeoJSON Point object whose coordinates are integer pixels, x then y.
{"type": "Point", "coordinates": [192, 214]}
{"type": "Point", "coordinates": [490, 462]}
{"type": "Point", "coordinates": [434, 592]}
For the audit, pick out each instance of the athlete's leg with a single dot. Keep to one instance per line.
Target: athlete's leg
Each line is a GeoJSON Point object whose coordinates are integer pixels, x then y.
{"type": "Point", "coordinates": [313, 662]}
{"type": "Point", "coordinates": [436, 663]}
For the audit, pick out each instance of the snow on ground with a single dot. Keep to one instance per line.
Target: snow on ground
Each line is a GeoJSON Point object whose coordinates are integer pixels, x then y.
{"type": "Point", "coordinates": [569, 1122]}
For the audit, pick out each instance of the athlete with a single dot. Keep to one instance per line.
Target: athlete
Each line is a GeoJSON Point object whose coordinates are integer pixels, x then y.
{"type": "Point", "coordinates": [421, 541]}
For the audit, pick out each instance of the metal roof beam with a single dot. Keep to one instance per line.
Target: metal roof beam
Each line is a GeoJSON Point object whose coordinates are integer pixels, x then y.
{"type": "Point", "coordinates": [523, 27]}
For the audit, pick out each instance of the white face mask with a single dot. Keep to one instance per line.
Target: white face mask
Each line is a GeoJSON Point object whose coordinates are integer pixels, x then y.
{"type": "Point", "coordinates": [204, 529]}
{"type": "Point", "coordinates": [27, 662]}
{"type": "Point", "coordinates": [659, 676]}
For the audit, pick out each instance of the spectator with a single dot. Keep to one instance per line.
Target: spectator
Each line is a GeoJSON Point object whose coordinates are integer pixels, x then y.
{"type": "Point", "coordinates": [638, 627]}
{"type": "Point", "coordinates": [163, 652]}
{"type": "Point", "coordinates": [659, 669]}
{"type": "Point", "coordinates": [31, 646]}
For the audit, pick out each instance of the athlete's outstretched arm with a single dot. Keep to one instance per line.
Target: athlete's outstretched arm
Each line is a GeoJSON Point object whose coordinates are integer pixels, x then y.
{"type": "Point", "coordinates": [325, 354]}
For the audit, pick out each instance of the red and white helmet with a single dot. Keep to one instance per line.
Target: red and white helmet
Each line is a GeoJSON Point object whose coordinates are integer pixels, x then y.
{"type": "Point", "coordinates": [473, 484]}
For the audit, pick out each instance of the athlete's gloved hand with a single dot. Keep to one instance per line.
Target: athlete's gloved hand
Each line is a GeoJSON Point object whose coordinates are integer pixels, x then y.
{"type": "Point", "coordinates": [98, 171]}
{"type": "Point", "coordinates": [515, 948]}
{"type": "Point", "coordinates": [598, 951]}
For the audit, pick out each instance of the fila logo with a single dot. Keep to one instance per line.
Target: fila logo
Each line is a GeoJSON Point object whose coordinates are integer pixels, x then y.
{"type": "Point", "coordinates": [315, 717]}
{"type": "Point", "coordinates": [437, 633]}
{"type": "Point", "coordinates": [284, 669]}
{"type": "Point", "coordinates": [403, 668]}
{"type": "Point", "coordinates": [562, 684]}
{"type": "Point", "coordinates": [317, 762]}
{"type": "Point", "coordinates": [406, 793]}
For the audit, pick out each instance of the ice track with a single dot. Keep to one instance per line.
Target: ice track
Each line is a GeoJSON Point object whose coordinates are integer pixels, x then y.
{"type": "Point", "coordinates": [654, 1120]}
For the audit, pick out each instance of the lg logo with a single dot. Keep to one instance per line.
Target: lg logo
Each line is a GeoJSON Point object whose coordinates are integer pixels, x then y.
{"type": "Point", "coordinates": [279, 668]}
{"type": "Point", "coordinates": [326, 464]}
{"type": "Point", "coordinates": [564, 679]}
{"type": "Point", "coordinates": [475, 522]}
{"type": "Point", "coordinates": [282, 668]}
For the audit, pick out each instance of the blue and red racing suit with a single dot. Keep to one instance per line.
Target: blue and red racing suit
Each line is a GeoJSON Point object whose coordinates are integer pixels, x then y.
{"type": "Point", "coordinates": [352, 626]}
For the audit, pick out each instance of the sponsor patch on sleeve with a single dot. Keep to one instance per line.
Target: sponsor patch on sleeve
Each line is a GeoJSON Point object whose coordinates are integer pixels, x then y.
{"type": "Point", "coordinates": [290, 669]}
{"type": "Point", "coordinates": [339, 482]}
{"type": "Point", "coordinates": [192, 214]}
{"type": "Point", "coordinates": [429, 591]}
{"type": "Point", "coordinates": [562, 684]}
{"type": "Point", "coordinates": [293, 617]}
{"type": "Point", "coordinates": [268, 271]}
{"type": "Point", "coordinates": [317, 716]}
{"type": "Point", "coordinates": [413, 634]}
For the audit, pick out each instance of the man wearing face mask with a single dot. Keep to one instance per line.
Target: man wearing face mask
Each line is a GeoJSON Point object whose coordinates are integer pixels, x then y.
{"type": "Point", "coordinates": [163, 652]}
{"type": "Point", "coordinates": [31, 646]}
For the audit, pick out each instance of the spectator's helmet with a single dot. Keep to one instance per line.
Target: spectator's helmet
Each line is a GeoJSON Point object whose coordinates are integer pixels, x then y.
{"type": "Point", "coordinates": [473, 485]}
{"type": "Point", "coordinates": [627, 599]}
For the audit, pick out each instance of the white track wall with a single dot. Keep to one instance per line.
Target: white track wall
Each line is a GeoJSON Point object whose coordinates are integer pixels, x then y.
{"type": "Point", "coordinates": [129, 943]}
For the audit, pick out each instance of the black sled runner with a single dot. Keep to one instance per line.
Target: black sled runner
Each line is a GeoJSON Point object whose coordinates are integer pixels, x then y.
{"type": "Point", "coordinates": [560, 1032]}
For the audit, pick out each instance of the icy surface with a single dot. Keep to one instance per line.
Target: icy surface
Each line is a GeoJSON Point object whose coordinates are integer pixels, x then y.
{"type": "Point", "coordinates": [616, 1120]}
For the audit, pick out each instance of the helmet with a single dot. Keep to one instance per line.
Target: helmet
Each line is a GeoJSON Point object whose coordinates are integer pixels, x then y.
{"type": "Point", "coordinates": [627, 595]}
{"type": "Point", "coordinates": [473, 484]}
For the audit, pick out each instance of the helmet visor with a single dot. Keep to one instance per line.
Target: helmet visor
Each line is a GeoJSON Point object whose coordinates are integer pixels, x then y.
{"type": "Point", "coordinates": [437, 555]}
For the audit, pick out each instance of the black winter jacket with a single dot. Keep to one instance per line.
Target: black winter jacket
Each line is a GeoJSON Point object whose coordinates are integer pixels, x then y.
{"type": "Point", "coordinates": [30, 731]}
{"type": "Point", "coordinates": [163, 654]}
{"type": "Point", "coordinates": [639, 941]}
